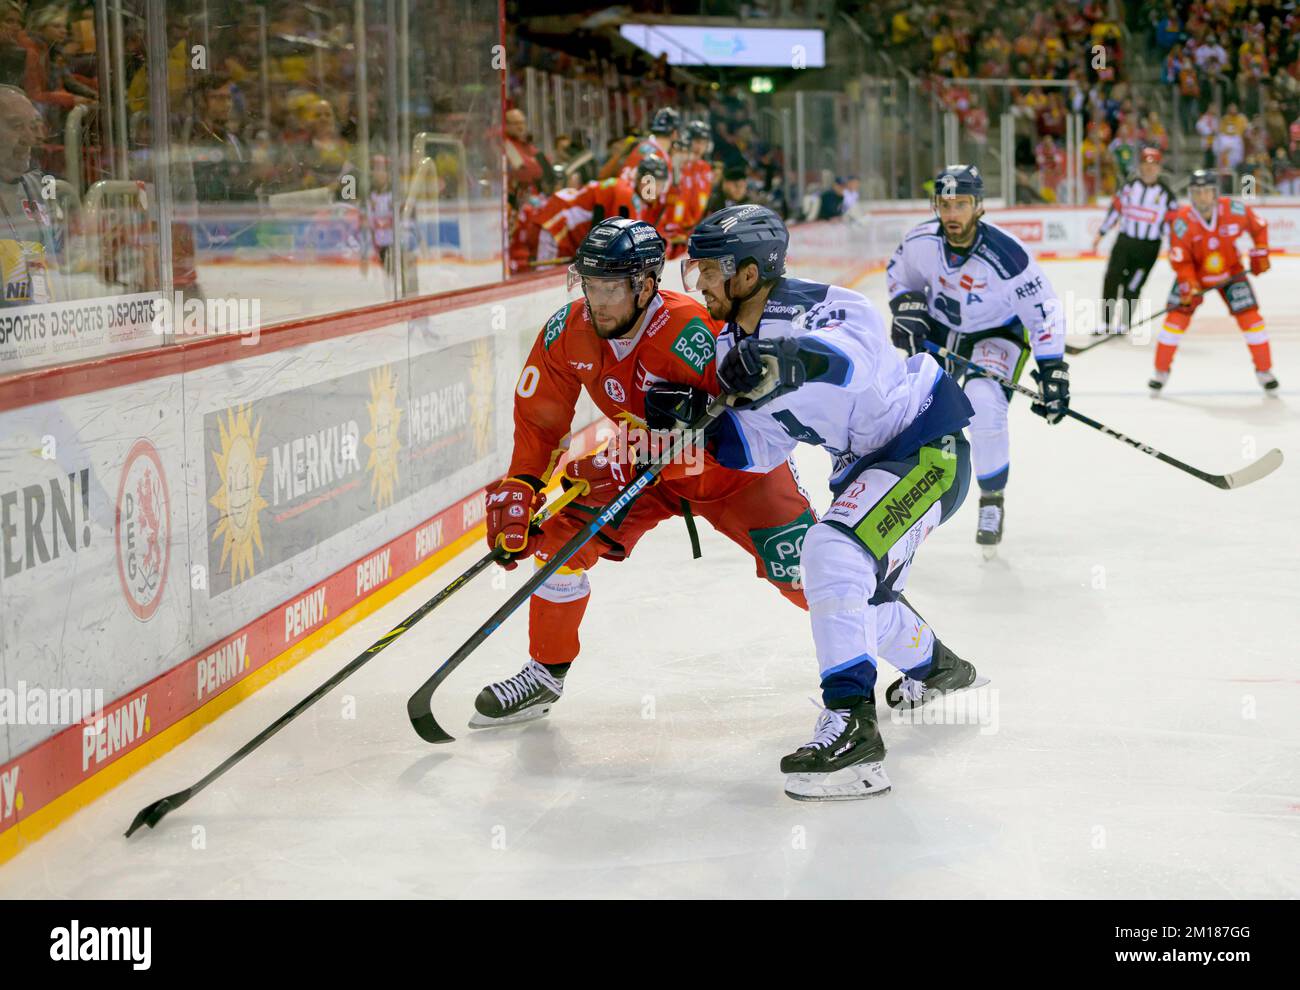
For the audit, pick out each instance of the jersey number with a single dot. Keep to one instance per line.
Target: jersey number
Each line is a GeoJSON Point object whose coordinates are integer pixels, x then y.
{"type": "Point", "coordinates": [528, 382]}
{"type": "Point", "coordinates": [796, 429]}
{"type": "Point", "coordinates": [950, 308]}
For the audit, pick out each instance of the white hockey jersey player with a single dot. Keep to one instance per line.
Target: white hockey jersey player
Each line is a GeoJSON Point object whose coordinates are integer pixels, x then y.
{"type": "Point", "coordinates": [985, 298]}
{"type": "Point", "coordinates": [811, 363]}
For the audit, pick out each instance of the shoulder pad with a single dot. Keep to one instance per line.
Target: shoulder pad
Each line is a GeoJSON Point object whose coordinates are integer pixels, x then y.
{"type": "Point", "coordinates": [926, 227]}
{"type": "Point", "coordinates": [1002, 251]}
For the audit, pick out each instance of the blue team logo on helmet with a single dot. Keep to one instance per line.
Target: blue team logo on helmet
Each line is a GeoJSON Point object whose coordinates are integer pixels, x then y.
{"type": "Point", "coordinates": [736, 235]}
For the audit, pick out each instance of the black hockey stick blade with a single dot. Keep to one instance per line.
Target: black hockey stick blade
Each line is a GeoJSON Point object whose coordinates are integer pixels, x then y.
{"type": "Point", "coordinates": [1071, 349]}
{"type": "Point", "coordinates": [152, 814]}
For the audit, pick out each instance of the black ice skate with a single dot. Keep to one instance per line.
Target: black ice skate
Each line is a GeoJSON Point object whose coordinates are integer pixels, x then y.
{"type": "Point", "coordinates": [989, 532]}
{"type": "Point", "coordinates": [948, 674]}
{"type": "Point", "coordinates": [843, 762]}
{"type": "Point", "coordinates": [1157, 382]}
{"type": "Point", "coordinates": [1267, 381]}
{"type": "Point", "coordinates": [528, 695]}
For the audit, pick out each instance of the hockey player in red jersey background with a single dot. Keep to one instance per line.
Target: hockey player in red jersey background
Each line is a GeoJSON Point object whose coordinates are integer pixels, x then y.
{"type": "Point", "coordinates": [641, 353]}
{"type": "Point", "coordinates": [1203, 254]}
{"type": "Point", "coordinates": [555, 229]}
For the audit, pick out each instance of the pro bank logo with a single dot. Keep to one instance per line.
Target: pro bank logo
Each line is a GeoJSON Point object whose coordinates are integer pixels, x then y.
{"type": "Point", "coordinates": [143, 530]}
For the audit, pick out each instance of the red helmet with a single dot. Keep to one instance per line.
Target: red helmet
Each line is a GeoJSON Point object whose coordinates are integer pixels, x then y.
{"type": "Point", "coordinates": [1151, 155]}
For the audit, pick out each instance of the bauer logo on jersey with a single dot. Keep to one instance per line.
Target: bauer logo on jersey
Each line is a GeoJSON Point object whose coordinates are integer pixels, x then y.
{"type": "Point", "coordinates": [615, 391]}
{"type": "Point", "coordinates": [695, 345]}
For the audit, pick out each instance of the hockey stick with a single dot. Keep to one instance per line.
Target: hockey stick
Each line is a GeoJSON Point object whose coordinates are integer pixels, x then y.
{"type": "Point", "coordinates": [418, 706]}
{"type": "Point", "coordinates": [1251, 473]}
{"type": "Point", "coordinates": [1072, 350]}
{"type": "Point", "coordinates": [152, 814]}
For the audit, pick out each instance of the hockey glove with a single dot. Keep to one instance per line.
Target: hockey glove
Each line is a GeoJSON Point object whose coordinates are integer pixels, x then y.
{"type": "Point", "coordinates": [511, 504]}
{"type": "Point", "coordinates": [674, 406]}
{"type": "Point", "coordinates": [1259, 262]}
{"type": "Point", "coordinates": [757, 371]}
{"type": "Point", "coordinates": [605, 473]}
{"type": "Point", "coordinates": [1053, 377]}
{"type": "Point", "coordinates": [1189, 293]}
{"type": "Point", "coordinates": [911, 327]}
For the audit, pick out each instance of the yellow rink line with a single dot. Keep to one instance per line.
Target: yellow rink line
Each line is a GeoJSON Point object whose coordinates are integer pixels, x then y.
{"type": "Point", "coordinates": [35, 825]}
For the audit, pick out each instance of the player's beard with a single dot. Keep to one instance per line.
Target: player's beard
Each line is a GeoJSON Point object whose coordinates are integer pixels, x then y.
{"type": "Point", "coordinates": [606, 332]}
{"type": "Point", "coordinates": [964, 237]}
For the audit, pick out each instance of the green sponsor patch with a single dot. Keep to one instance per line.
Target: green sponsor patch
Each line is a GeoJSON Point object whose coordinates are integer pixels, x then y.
{"type": "Point", "coordinates": [1238, 208]}
{"type": "Point", "coordinates": [554, 325]}
{"type": "Point", "coordinates": [695, 345]}
{"type": "Point", "coordinates": [1180, 227]}
{"type": "Point", "coordinates": [781, 546]}
{"type": "Point", "coordinates": [908, 500]}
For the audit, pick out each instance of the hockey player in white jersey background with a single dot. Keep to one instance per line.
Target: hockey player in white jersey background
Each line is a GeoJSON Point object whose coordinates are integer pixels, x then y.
{"type": "Point", "coordinates": [964, 283]}
{"type": "Point", "coordinates": [812, 363]}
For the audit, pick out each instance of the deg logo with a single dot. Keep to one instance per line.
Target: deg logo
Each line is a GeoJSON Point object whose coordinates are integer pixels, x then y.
{"type": "Point", "coordinates": [615, 391]}
{"type": "Point", "coordinates": [142, 530]}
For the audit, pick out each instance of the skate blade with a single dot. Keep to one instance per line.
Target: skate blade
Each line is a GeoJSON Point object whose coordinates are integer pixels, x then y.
{"type": "Point", "coordinates": [930, 694]}
{"type": "Point", "coordinates": [481, 721]}
{"type": "Point", "coordinates": [989, 551]}
{"type": "Point", "coordinates": [862, 780]}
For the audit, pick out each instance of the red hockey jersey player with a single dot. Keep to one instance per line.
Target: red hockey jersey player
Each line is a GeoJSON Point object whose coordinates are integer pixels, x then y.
{"type": "Point", "coordinates": [567, 217]}
{"type": "Point", "coordinates": [1203, 253]}
{"type": "Point", "coordinates": [623, 344]}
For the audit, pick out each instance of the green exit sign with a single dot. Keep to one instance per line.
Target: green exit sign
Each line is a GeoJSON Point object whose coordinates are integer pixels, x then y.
{"type": "Point", "coordinates": [760, 84]}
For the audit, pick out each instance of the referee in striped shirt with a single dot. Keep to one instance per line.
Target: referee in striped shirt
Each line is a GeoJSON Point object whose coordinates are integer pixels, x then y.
{"type": "Point", "coordinates": [1142, 209]}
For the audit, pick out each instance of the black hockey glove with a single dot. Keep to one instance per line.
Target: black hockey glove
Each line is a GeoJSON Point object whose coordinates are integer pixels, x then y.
{"type": "Point", "coordinates": [911, 327]}
{"type": "Point", "coordinates": [758, 370]}
{"type": "Point", "coordinates": [1053, 377]}
{"type": "Point", "coordinates": [674, 406]}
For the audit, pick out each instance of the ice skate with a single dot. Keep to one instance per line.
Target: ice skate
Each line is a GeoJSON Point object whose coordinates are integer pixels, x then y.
{"type": "Point", "coordinates": [989, 532]}
{"type": "Point", "coordinates": [844, 760]}
{"type": "Point", "coordinates": [529, 695]}
{"type": "Point", "coordinates": [1268, 382]}
{"type": "Point", "coordinates": [948, 675]}
{"type": "Point", "coordinates": [1157, 382]}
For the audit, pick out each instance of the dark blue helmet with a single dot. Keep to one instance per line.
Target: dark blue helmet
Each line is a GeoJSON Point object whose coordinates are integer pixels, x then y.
{"type": "Point", "coordinates": [698, 130]}
{"type": "Point", "coordinates": [960, 180]}
{"type": "Point", "coordinates": [665, 121]}
{"type": "Point", "coordinates": [620, 248]}
{"type": "Point", "coordinates": [739, 234]}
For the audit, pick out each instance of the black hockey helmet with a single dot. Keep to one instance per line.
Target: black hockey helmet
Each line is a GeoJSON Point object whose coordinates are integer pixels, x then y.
{"type": "Point", "coordinates": [665, 121]}
{"type": "Point", "coordinates": [652, 165]}
{"type": "Point", "coordinates": [1203, 177]}
{"type": "Point", "coordinates": [960, 180]}
{"type": "Point", "coordinates": [736, 235]}
{"type": "Point", "coordinates": [698, 130]}
{"type": "Point", "coordinates": [619, 248]}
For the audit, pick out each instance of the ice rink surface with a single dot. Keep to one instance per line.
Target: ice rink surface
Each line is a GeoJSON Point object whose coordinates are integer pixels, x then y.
{"type": "Point", "coordinates": [1140, 738]}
